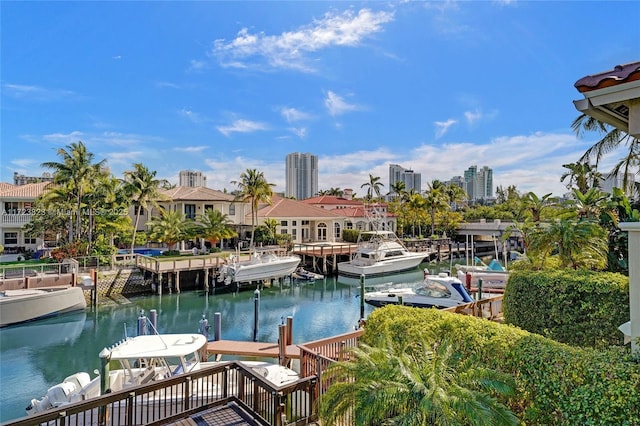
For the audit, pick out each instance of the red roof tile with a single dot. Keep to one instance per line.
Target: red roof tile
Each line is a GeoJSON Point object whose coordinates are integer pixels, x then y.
{"type": "Point", "coordinates": [620, 74]}
{"type": "Point", "coordinates": [286, 207]}
{"type": "Point", "coordinates": [200, 193]}
{"type": "Point", "coordinates": [30, 191]}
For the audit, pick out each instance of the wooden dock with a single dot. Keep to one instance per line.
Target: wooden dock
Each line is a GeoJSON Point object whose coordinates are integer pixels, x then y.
{"type": "Point", "coordinates": [250, 349]}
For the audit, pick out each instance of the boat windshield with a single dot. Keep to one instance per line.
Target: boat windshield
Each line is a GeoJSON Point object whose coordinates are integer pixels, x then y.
{"type": "Point", "coordinates": [433, 289]}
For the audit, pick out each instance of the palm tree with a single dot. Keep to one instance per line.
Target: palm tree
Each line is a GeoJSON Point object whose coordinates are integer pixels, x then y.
{"type": "Point", "coordinates": [398, 188]}
{"type": "Point", "coordinates": [583, 175]}
{"type": "Point", "coordinates": [536, 204]}
{"type": "Point", "coordinates": [144, 190]}
{"type": "Point", "coordinates": [415, 210]}
{"type": "Point", "coordinates": [589, 204]}
{"type": "Point", "coordinates": [455, 194]}
{"type": "Point", "coordinates": [435, 200]}
{"type": "Point", "coordinates": [373, 187]}
{"type": "Point", "coordinates": [613, 138]}
{"type": "Point", "coordinates": [214, 226]}
{"type": "Point", "coordinates": [417, 385]}
{"type": "Point", "coordinates": [272, 226]}
{"type": "Point", "coordinates": [170, 228]}
{"type": "Point", "coordinates": [581, 244]}
{"type": "Point", "coordinates": [75, 174]}
{"type": "Point", "coordinates": [253, 188]}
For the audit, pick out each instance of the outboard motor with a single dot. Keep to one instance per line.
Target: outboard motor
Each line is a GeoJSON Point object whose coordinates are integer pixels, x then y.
{"type": "Point", "coordinates": [60, 394]}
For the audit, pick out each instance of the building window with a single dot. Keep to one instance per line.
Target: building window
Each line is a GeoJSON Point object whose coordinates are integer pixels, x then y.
{"type": "Point", "coordinates": [336, 230]}
{"type": "Point", "coordinates": [11, 238]}
{"type": "Point", "coordinates": [11, 207]}
{"type": "Point", "coordinates": [294, 233]}
{"type": "Point", "coordinates": [322, 232]}
{"type": "Point", "coordinates": [283, 231]}
{"type": "Point", "coordinates": [29, 240]}
{"type": "Point", "coordinates": [190, 211]}
{"type": "Point", "coordinates": [293, 223]}
{"type": "Point", "coordinates": [284, 223]}
{"type": "Point", "coordinates": [208, 207]}
{"type": "Point", "coordinates": [135, 210]}
{"type": "Point", "coordinates": [232, 209]}
{"type": "Point", "coordinates": [305, 222]}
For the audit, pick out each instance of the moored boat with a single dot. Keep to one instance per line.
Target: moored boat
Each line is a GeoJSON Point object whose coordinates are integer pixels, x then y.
{"type": "Point", "coordinates": [22, 305]}
{"type": "Point", "coordinates": [439, 291]}
{"type": "Point", "coordinates": [304, 275]}
{"type": "Point", "coordinates": [144, 359]}
{"type": "Point", "coordinates": [260, 267]}
{"type": "Point", "coordinates": [380, 253]}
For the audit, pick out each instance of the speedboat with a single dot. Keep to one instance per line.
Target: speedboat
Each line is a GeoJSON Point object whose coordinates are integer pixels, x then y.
{"type": "Point", "coordinates": [380, 253]}
{"type": "Point", "coordinates": [144, 359]}
{"type": "Point", "coordinates": [260, 267]}
{"type": "Point", "coordinates": [304, 275]}
{"type": "Point", "coordinates": [439, 291]}
{"type": "Point", "coordinates": [30, 304]}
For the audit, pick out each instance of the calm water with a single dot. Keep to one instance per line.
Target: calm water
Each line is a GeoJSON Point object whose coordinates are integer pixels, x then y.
{"type": "Point", "coordinates": [36, 356]}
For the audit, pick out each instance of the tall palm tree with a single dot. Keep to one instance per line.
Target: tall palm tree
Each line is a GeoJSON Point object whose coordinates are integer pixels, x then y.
{"type": "Point", "coordinates": [254, 188]}
{"type": "Point", "coordinates": [589, 204]}
{"type": "Point", "coordinates": [398, 188]}
{"type": "Point", "coordinates": [144, 189]}
{"type": "Point", "coordinates": [435, 200]}
{"type": "Point", "coordinates": [214, 226]}
{"type": "Point", "coordinates": [75, 174]}
{"type": "Point", "coordinates": [415, 386]}
{"type": "Point", "coordinates": [171, 228]}
{"type": "Point", "coordinates": [612, 139]}
{"type": "Point", "coordinates": [373, 187]}
{"type": "Point", "coordinates": [455, 194]}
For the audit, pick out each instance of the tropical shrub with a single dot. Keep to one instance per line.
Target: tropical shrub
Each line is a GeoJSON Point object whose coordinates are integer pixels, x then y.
{"type": "Point", "coordinates": [350, 235]}
{"type": "Point", "coordinates": [580, 308]}
{"type": "Point", "coordinates": [555, 383]}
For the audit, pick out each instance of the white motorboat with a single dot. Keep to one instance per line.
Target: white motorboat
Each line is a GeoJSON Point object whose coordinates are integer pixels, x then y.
{"type": "Point", "coordinates": [23, 305]}
{"type": "Point", "coordinates": [144, 359]}
{"type": "Point", "coordinates": [380, 253]}
{"type": "Point", "coordinates": [259, 267]}
{"type": "Point", "coordinates": [439, 291]}
{"type": "Point", "coordinates": [304, 275]}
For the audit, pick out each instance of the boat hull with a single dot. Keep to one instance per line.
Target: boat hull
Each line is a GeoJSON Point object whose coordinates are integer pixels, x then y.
{"type": "Point", "coordinates": [282, 267]}
{"type": "Point", "coordinates": [386, 267]}
{"type": "Point", "coordinates": [17, 306]}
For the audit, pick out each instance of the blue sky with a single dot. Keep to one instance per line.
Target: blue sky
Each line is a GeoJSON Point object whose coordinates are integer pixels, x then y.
{"type": "Point", "coordinates": [225, 86]}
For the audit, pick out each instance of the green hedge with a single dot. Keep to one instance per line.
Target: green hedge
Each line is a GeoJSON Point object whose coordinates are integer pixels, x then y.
{"type": "Point", "coordinates": [557, 384]}
{"type": "Point", "coordinates": [581, 308]}
{"type": "Point", "coordinates": [350, 235]}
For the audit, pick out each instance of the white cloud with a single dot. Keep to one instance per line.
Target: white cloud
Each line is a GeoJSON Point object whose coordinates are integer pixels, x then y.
{"type": "Point", "coordinates": [242, 126]}
{"type": "Point", "coordinates": [119, 158]}
{"type": "Point", "coordinates": [442, 127]}
{"type": "Point", "coordinates": [292, 114]}
{"type": "Point", "coordinates": [290, 49]}
{"type": "Point", "coordinates": [63, 138]}
{"type": "Point", "coordinates": [191, 149]}
{"type": "Point", "coordinates": [336, 105]}
{"type": "Point", "coordinates": [36, 93]}
{"type": "Point", "coordinates": [472, 116]}
{"type": "Point", "coordinates": [194, 117]}
{"type": "Point", "coordinates": [300, 132]}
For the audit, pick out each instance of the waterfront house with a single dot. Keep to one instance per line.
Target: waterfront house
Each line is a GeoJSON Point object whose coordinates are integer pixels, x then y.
{"type": "Point", "coordinates": [16, 202]}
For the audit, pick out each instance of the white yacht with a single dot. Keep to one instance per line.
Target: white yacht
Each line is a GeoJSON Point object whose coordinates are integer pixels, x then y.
{"type": "Point", "coordinates": [261, 266]}
{"type": "Point", "coordinates": [380, 253]}
{"type": "Point", "coordinates": [439, 291]}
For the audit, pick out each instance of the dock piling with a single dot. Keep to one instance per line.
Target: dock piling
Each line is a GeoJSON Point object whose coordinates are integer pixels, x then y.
{"type": "Point", "coordinates": [362, 296]}
{"type": "Point", "coordinates": [256, 313]}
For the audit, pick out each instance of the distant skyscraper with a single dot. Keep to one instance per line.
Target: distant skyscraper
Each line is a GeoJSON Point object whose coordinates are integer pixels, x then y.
{"type": "Point", "coordinates": [23, 180]}
{"type": "Point", "coordinates": [192, 179]}
{"type": "Point", "coordinates": [479, 183]}
{"type": "Point", "coordinates": [301, 175]}
{"type": "Point", "coordinates": [612, 180]}
{"type": "Point", "coordinates": [411, 179]}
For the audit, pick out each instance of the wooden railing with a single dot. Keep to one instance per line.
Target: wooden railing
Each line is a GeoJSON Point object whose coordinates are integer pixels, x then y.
{"type": "Point", "coordinates": [173, 264]}
{"type": "Point", "coordinates": [181, 396]}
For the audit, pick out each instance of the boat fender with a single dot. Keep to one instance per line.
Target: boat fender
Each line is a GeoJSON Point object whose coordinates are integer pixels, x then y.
{"type": "Point", "coordinates": [391, 295]}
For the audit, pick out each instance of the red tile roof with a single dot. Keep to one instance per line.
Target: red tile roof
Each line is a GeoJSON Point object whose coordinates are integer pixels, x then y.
{"type": "Point", "coordinates": [331, 199]}
{"type": "Point", "coordinates": [286, 207]}
{"type": "Point", "coordinates": [30, 191]}
{"type": "Point", "coordinates": [200, 193]}
{"type": "Point", "coordinates": [620, 74]}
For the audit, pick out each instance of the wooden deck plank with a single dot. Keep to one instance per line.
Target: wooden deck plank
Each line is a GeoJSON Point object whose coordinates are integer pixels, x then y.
{"type": "Point", "coordinates": [257, 349]}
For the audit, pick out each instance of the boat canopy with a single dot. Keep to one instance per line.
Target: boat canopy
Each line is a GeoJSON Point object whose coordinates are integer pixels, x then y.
{"type": "Point", "coordinates": [158, 346]}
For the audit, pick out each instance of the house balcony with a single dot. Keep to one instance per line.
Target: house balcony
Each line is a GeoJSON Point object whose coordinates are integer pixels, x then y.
{"type": "Point", "coordinates": [16, 220]}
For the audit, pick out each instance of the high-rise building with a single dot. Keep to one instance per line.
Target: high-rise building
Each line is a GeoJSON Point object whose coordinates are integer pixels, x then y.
{"type": "Point", "coordinates": [192, 179]}
{"type": "Point", "coordinates": [19, 179]}
{"type": "Point", "coordinates": [411, 179]}
{"type": "Point", "coordinates": [479, 183]}
{"type": "Point", "coordinates": [301, 175]}
{"type": "Point", "coordinates": [613, 180]}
